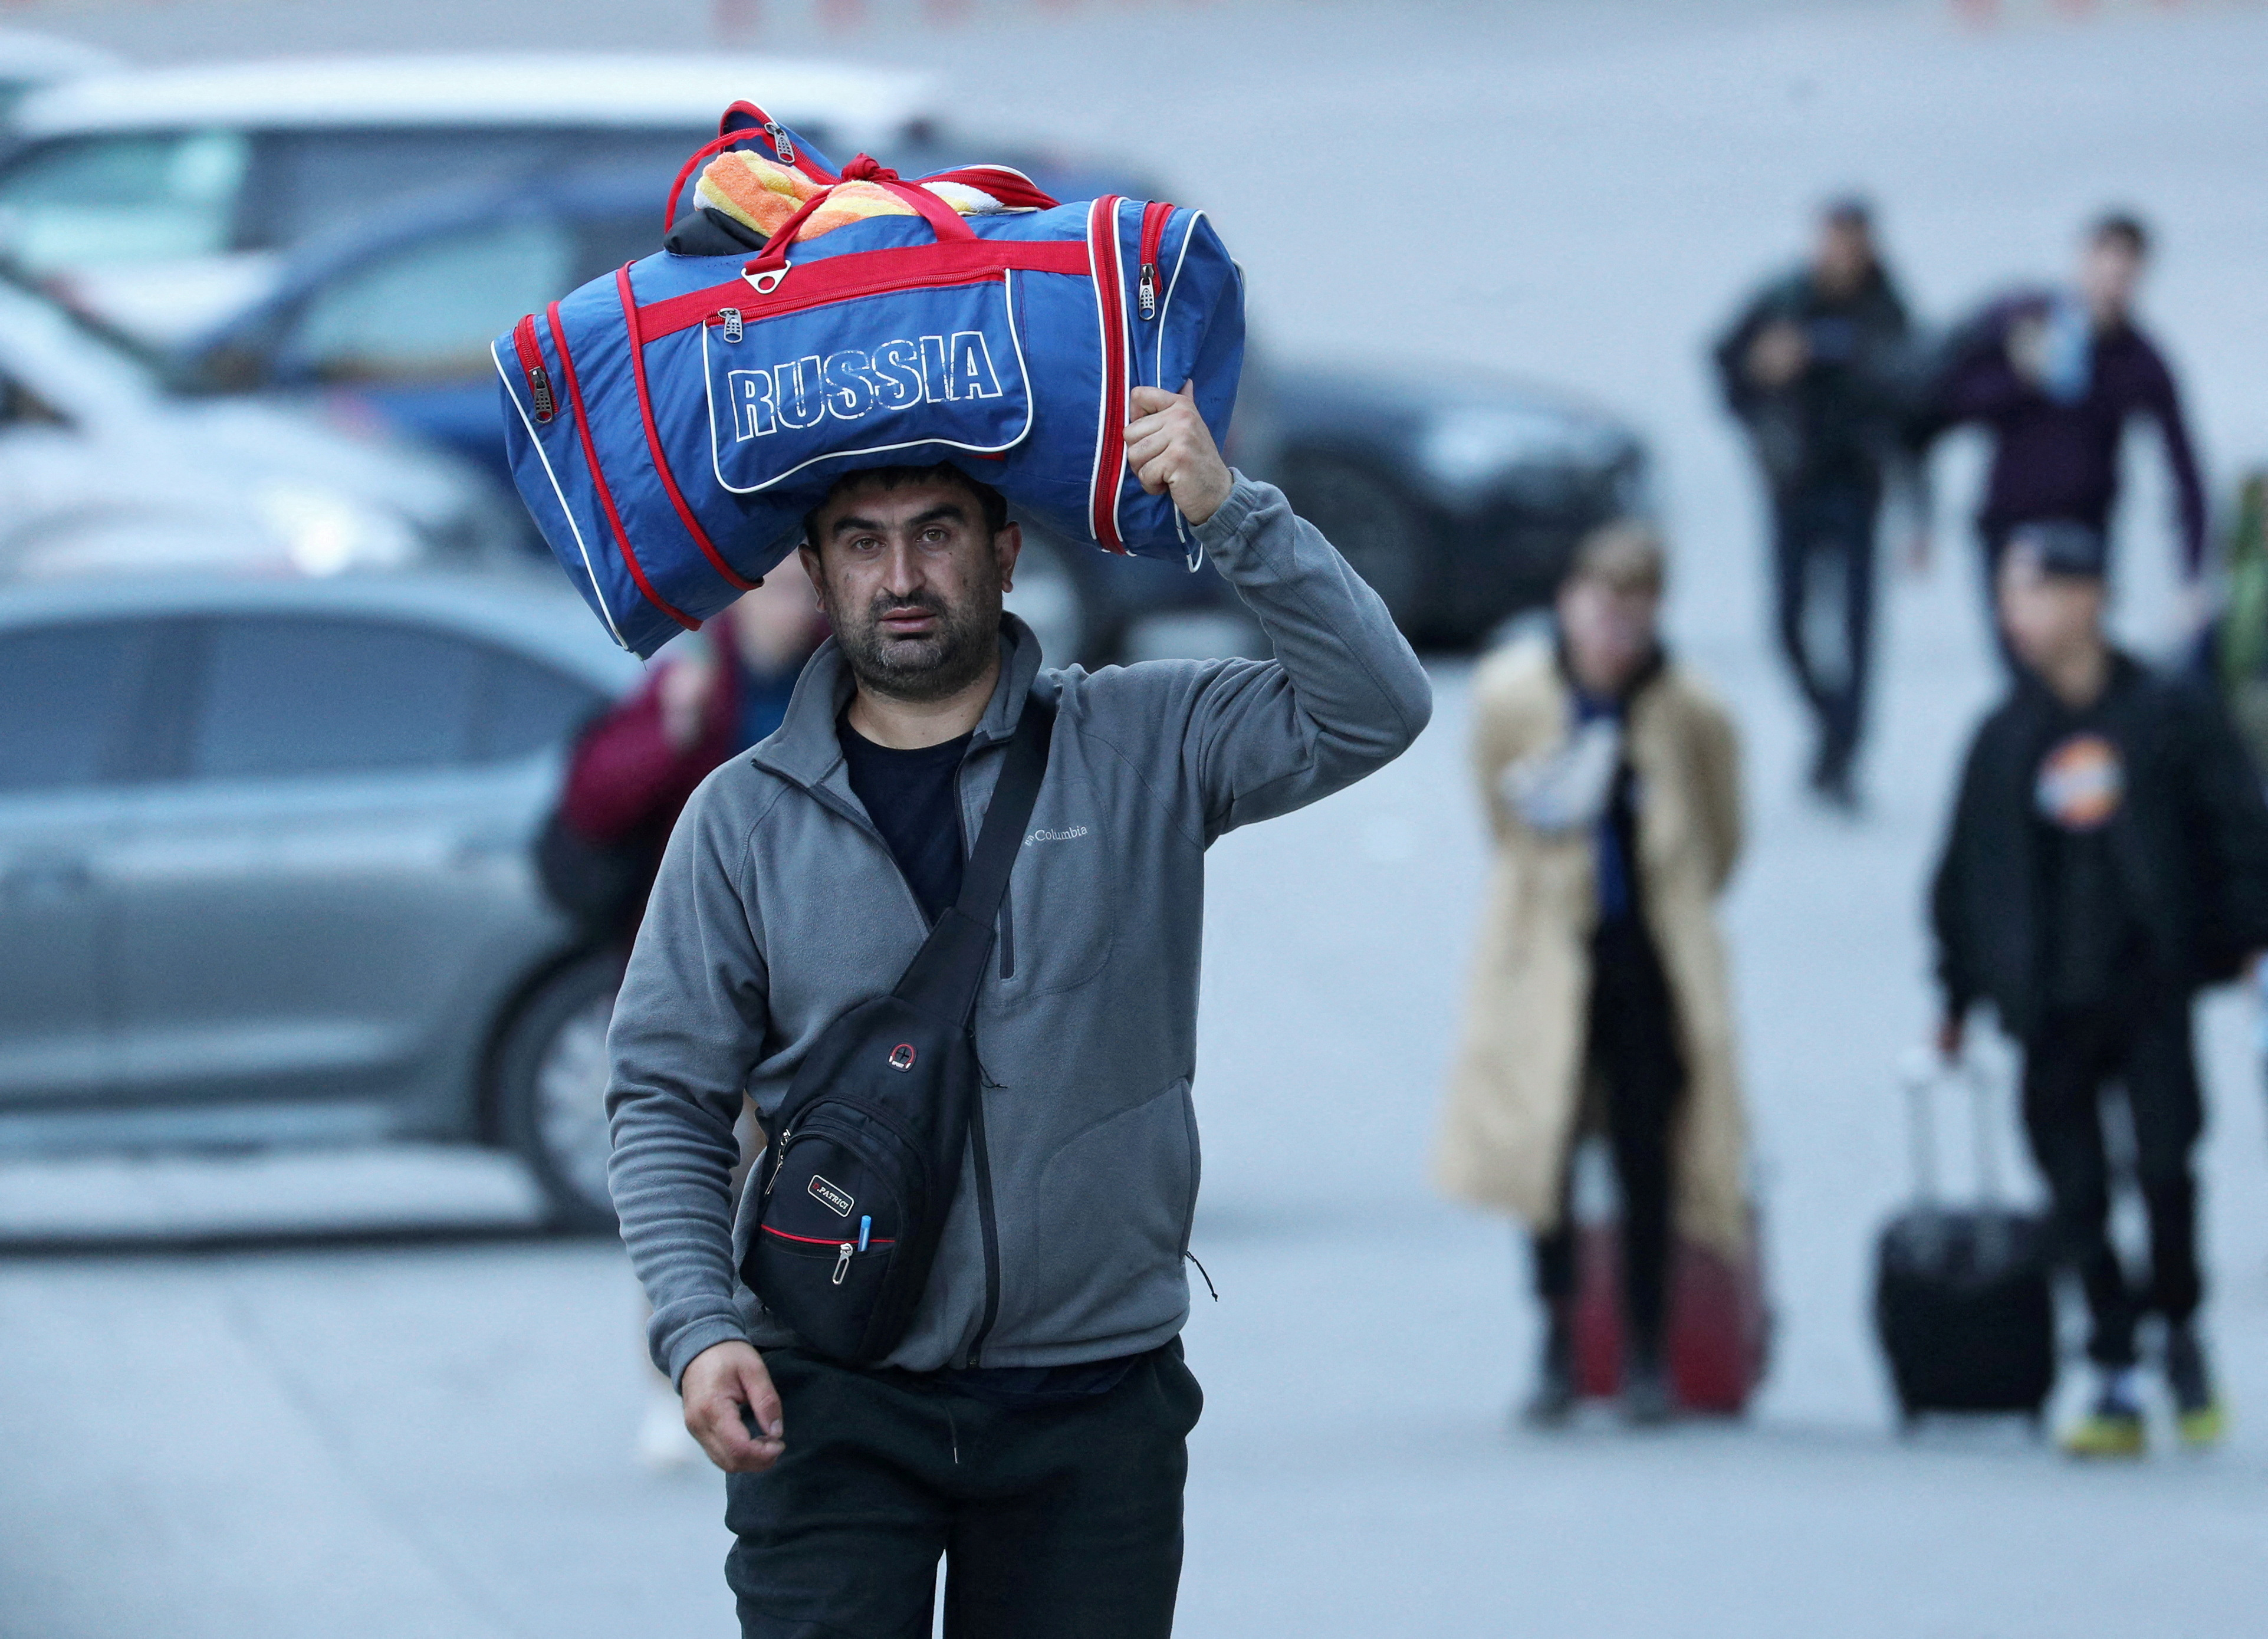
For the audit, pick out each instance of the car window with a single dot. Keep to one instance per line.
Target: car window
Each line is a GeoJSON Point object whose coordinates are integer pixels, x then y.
{"type": "Point", "coordinates": [311, 181]}
{"type": "Point", "coordinates": [68, 696]}
{"type": "Point", "coordinates": [287, 695]}
{"type": "Point", "coordinates": [83, 201]}
{"type": "Point", "coordinates": [527, 707]}
{"type": "Point", "coordinates": [430, 311]}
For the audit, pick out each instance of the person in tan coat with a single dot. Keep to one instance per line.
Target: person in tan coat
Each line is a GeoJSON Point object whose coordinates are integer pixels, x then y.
{"type": "Point", "coordinates": [1611, 780]}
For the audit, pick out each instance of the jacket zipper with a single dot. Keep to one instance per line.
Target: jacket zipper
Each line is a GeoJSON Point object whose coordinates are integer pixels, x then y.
{"type": "Point", "coordinates": [986, 1223]}
{"type": "Point", "coordinates": [531, 365]}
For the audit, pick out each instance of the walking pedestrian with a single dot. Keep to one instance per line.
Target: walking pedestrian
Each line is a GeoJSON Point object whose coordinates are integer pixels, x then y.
{"type": "Point", "coordinates": [633, 770]}
{"type": "Point", "coordinates": [2108, 858]}
{"type": "Point", "coordinates": [1814, 368]}
{"type": "Point", "coordinates": [1029, 1425]}
{"type": "Point", "coordinates": [2055, 376]}
{"type": "Point", "coordinates": [1611, 780]}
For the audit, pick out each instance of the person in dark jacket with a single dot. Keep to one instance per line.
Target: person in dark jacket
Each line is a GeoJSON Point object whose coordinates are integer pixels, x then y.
{"type": "Point", "coordinates": [634, 769]}
{"type": "Point", "coordinates": [1812, 367]}
{"type": "Point", "coordinates": [2108, 859]}
{"type": "Point", "coordinates": [2055, 376]}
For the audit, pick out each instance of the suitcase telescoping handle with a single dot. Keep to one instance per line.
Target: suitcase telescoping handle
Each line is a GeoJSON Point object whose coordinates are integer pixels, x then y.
{"type": "Point", "coordinates": [1922, 1069]}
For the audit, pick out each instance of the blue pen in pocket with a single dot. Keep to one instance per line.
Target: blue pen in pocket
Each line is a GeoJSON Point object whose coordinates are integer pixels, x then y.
{"type": "Point", "coordinates": [865, 1227]}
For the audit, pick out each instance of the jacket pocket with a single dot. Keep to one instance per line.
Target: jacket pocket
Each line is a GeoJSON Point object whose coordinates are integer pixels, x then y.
{"type": "Point", "coordinates": [1059, 921]}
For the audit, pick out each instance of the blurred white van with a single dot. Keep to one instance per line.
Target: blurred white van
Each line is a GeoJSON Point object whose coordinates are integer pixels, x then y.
{"type": "Point", "coordinates": [163, 199]}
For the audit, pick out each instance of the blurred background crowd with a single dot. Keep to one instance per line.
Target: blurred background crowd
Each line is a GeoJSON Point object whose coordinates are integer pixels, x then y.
{"type": "Point", "coordinates": [324, 807]}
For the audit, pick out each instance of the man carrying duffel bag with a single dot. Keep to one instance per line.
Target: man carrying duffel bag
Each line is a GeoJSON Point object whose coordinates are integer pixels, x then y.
{"type": "Point", "coordinates": [2108, 858]}
{"type": "Point", "coordinates": [945, 926]}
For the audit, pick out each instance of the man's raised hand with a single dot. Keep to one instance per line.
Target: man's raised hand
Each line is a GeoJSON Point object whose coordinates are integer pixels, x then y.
{"type": "Point", "coordinates": [724, 1378]}
{"type": "Point", "coordinates": [1169, 449]}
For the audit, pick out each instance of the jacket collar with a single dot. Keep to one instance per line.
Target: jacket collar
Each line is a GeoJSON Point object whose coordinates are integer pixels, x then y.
{"type": "Point", "coordinates": [2125, 670]}
{"type": "Point", "coordinates": [805, 749]}
{"type": "Point", "coordinates": [1647, 673]}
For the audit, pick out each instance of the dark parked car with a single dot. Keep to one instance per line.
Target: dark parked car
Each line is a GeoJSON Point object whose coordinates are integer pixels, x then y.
{"type": "Point", "coordinates": [1459, 502]}
{"type": "Point", "coordinates": [265, 870]}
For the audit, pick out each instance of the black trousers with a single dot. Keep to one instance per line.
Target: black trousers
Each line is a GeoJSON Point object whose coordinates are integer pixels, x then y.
{"type": "Point", "coordinates": [2069, 1061]}
{"type": "Point", "coordinates": [1828, 525]}
{"type": "Point", "coordinates": [1058, 1522]}
{"type": "Point", "coordinates": [1633, 1047]}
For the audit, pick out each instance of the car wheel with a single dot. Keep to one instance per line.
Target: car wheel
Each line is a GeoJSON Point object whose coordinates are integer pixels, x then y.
{"type": "Point", "coordinates": [1049, 598]}
{"type": "Point", "coordinates": [552, 1090]}
{"type": "Point", "coordinates": [1375, 527]}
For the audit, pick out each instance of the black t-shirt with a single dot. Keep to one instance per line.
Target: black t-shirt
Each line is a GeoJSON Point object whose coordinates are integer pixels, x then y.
{"type": "Point", "coordinates": [913, 799]}
{"type": "Point", "coordinates": [2089, 932]}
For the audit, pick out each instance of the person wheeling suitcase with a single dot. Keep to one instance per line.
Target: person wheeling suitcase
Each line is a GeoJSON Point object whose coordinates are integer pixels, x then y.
{"type": "Point", "coordinates": [2108, 858]}
{"type": "Point", "coordinates": [1611, 779]}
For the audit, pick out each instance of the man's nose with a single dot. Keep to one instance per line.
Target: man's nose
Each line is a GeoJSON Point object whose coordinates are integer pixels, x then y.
{"type": "Point", "coordinates": [902, 570]}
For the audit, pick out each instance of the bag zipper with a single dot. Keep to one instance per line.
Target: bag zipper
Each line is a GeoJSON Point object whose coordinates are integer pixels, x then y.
{"type": "Point", "coordinates": [1155, 214]}
{"type": "Point", "coordinates": [863, 273]}
{"type": "Point", "coordinates": [531, 365]}
{"type": "Point", "coordinates": [1110, 306]}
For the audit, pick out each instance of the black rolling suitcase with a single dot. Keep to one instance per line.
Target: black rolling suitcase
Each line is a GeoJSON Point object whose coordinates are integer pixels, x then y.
{"type": "Point", "coordinates": [1962, 1299]}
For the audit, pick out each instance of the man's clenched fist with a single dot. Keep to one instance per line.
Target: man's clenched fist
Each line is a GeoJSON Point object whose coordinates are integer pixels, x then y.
{"type": "Point", "coordinates": [723, 1380]}
{"type": "Point", "coordinates": [1170, 448]}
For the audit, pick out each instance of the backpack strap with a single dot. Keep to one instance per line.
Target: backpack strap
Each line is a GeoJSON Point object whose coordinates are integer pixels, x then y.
{"type": "Point", "coordinates": [943, 978]}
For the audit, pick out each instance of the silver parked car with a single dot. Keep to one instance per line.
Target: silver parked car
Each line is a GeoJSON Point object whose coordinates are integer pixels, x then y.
{"type": "Point", "coordinates": [266, 876]}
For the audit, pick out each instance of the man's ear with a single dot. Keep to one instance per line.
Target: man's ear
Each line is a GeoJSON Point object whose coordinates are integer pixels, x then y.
{"type": "Point", "coordinates": [811, 573]}
{"type": "Point", "coordinates": [1006, 546]}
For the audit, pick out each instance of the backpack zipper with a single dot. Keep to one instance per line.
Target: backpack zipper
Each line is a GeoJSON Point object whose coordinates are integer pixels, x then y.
{"type": "Point", "coordinates": [531, 365]}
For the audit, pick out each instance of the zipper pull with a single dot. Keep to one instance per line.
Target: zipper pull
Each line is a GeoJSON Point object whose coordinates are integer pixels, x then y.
{"type": "Point", "coordinates": [731, 317]}
{"type": "Point", "coordinates": [781, 145]}
{"type": "Point", "coordinates": [538, 389]}
{"type": "Point", "coordinates": [779, 1154]}
{"type": "Point", "coordinates": [842, 1264]}
{"type": "Point", "coordinates": [1145, 290]}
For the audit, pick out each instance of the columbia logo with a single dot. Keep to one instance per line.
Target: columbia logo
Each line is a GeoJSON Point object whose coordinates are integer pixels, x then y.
{"type": "Point", "coordinates": [1055, 836]}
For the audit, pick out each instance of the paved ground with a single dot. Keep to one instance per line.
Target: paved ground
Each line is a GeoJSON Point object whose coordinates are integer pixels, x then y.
{"type": "Point", "coordinates": [431, 1436]}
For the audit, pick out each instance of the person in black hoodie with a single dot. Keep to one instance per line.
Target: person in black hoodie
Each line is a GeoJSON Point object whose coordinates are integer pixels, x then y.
{"type": "Point", "coordinates": [2108, 859]}
{"type": "Point", "coordinates": [1813, 368]}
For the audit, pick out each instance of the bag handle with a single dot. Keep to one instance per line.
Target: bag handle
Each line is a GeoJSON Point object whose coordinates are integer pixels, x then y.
{"type": "Point", "coordinates": [771, 266]}
{"type": "Point", "coordinates": [745, 122]}
{"type": "Point", "coordinates": [1922, 1069]}
{"type": "Point", "coordinates": [945, 973]}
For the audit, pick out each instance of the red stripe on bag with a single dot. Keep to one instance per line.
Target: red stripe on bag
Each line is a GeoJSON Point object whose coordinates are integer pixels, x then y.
{"type": "Point", "coordinates": [1110, 306]}
{"type": "Point", "coordinates": [599, 478]}
{"type": "Point", "coordinates": [819, 1240]}
{"type": "Point", "coordinates": [863, 273]}
{"type": "Point", "coordinates": [733, 577]}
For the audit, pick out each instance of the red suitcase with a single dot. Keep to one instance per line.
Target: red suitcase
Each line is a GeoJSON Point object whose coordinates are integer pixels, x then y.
{"type": "Point", "coordinates": [1719, 1324]}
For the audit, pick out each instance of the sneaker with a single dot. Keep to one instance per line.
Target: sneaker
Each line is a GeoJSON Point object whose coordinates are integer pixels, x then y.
{"type": "Point", "coordinates": [1645, 1401]}
{"type": "Point", "coordinates": [2113, 1427]}
{"type": "Point", "coordinates": [2199, 1413]}
{"type": "Point", "coordinates": [1553, 1401]}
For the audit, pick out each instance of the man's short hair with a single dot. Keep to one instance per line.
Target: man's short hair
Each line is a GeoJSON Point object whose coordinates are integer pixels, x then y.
{"type": "Point", "coordinates": [1627, 554]}
{"type": "Point", "coordinates": [2123, 227]}
{"type": "Point", "coordinates": [2063, 548]}
{"type": "Point", "coordinates": [991, 503]}
{"type": "Point", "coordinates": [1851, 211]}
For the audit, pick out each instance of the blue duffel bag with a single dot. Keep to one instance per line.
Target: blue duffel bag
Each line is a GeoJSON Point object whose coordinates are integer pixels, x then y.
{"type": "Point", "coordinates": [671, 424]}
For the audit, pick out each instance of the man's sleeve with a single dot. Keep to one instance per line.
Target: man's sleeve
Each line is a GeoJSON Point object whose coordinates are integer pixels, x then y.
{"type": "Point", "coordinates": [1731, 354]}
{"type": "Point", "coordinates": [1947, 894]}
{"type": "Point", "coordinates": [2163, 402]}
{"type": "Point", "coordinates": [688, 1026]}
{"type": "Point", "coordinates": [1343, 697]}
{"type": "Point", "coordinates": [2228, 802]}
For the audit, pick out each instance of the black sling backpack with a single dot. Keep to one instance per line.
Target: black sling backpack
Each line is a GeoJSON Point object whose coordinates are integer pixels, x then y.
{"type": "Point", "coordinates": [856, 1186]}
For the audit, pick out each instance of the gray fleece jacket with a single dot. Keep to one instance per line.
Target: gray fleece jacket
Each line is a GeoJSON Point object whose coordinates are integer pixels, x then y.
{"type": "Point", "coordinates": [780, 907]}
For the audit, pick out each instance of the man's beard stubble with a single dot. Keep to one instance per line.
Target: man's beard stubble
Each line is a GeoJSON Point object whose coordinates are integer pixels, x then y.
{"type": "Point", "coordinates": [921, 668]}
